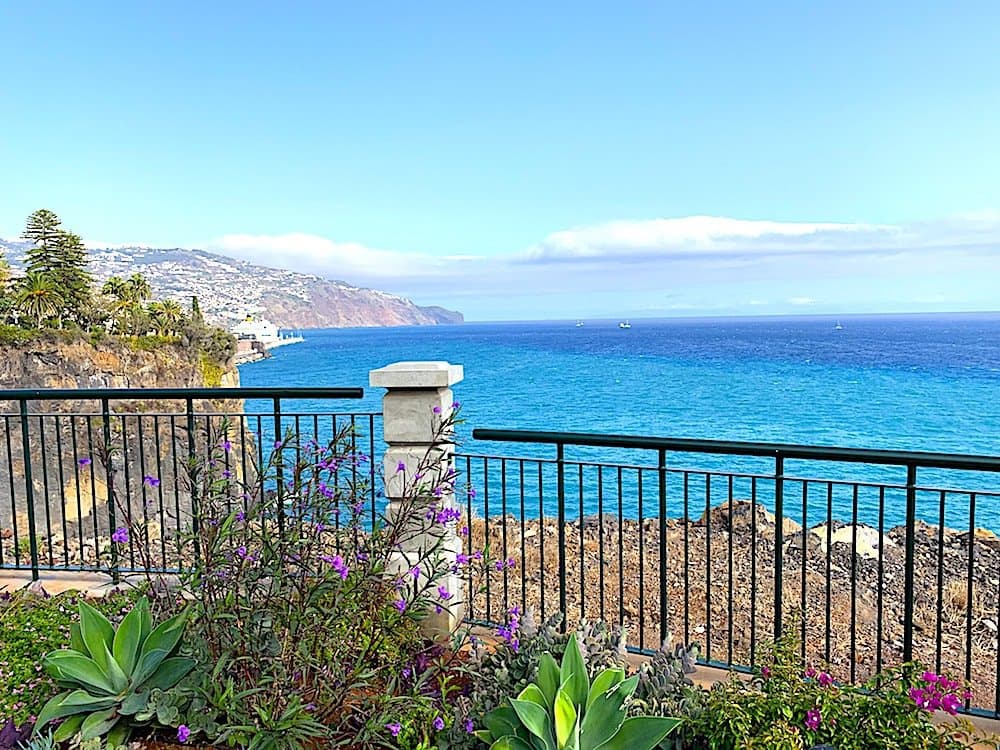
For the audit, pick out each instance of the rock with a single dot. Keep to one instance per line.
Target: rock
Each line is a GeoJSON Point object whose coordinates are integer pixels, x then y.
{"type": "Point", "coordinates": [738, 515]}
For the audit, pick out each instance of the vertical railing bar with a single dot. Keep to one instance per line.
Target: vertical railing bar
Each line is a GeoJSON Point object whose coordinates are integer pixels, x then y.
{"type": "Point", "coordinates": [802, 580]}
{"type": "Point", "coordinates": [158, 446]}
{"type": "Point", "coordinates": [371, 462]}
{"type": "Point", "coordinates": [29, 490]}
{"type": "Point", "coordinates": [178, 538]}
{"type": "Point", "coordinates": [93, 496]}
{"type": "Point", "coordinates": [729, 587]}
{"type": "Point", "coordinates": [583, 612]}
{"type": "Point", "coordinates": [503, 533]}
{"type": "Point", "coordinates": [541, 540]}
{"type": "Point", "coordinates": [469, 550]}
{"type": "Point", "coordinates": [910, 561]}
{"type": "Point", "coordinates": [278, 456]}
{"type": "Point", "coordinates": [939, 620]}
{"type": "Point", "coordinates": [524, 557]}
{"type": "Point", "coordinates": [128, 492]}
{"type": "Point", "coordinates": [561, 530]}
{"type": "Point", "coordinates": [600, 536]}
{"type": "Point", "coordinates": [192, 457]}
{"type": "Point", "coordinates": [970, 573]}
{"type": "Point", "coordinates": [144, 490]}
{"type": "Point", "coordinates": [621, 552]}
{"type": "Point", "coordinates": [708, 566]}
{"type": "Point", "coordinates": [880, 589]}
{"type": "Point", "coordinates": [662, 512]}
{"type": "Point", "coordinates": [642, 565]}
{"type": "Point", "coordinates": [854, 583]}
{"type": "Point", "coordinates": [13, 492]}
{"type": "Point", "coordinates": [687, 559]}
{"type": "Point", "coordinates": [753, 571]}
{"type": "Point", "coordinates": [486, 534]}
{"type": "Point", "coordinates": [109, 473]}
{"type": "Point", "coordinates": [779, 542]}
{"type": "Point", "coordinates": [829, 570]}
{"type": "Point", "coordinates": [45, 488]}
{"type": "Point", "coordinates": [62, 492]}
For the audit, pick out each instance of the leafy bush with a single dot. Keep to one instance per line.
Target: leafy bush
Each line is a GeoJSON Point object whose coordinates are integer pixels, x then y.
{"type": "Point", "coordinates": [108, 673]}
{"type": "Point", "coordinates": [33, 625]}
{"type": "Point", "coordinates": [786, 707]}
{"type": "Point", "coordinates": [565, 710]}
{"type": "Point", "coordinates": [305, 621]}
{"type": "Point", "coordinates": [665, 689]}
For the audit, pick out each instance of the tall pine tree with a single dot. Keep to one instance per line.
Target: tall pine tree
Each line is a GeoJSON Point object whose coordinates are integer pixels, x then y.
{"type": "Point", "coordinates": [42, 231]}
{"type": "Point", "coordinates": [69, 270]}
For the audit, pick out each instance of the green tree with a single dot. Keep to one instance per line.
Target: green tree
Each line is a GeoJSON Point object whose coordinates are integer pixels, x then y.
{"type": "Point", "coordinates": [197, 319]}
{"type": "Point", "coordinates": [138, 289]}
{"type": "Point", "coordinates": [38, 297]}
{"type": "Point", "coordinates": [42, 231]}
{"type": "Point", "coordinates": [69, 271]}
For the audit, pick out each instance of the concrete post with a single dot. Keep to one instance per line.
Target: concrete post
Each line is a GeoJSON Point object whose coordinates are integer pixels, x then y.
{"type": "Point", "coordinates": [418, 397]}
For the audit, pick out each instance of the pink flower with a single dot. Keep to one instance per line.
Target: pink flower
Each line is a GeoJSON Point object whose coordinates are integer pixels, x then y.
{"type": "Point", "coordinates": [825, 680]}
{"type": "Point", "coordinates": [813, 719]}
{"type": "Point", "coordinates": [183, 733]}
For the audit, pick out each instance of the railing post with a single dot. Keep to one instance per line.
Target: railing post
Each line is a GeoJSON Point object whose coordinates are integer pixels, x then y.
{"type": "Point", "coordinates": [779, 541]}
{"type": "Point", "coordinates": [29, 490]}
{"type": "Point", "coordinates": [909, 564]}
{"type": "Point", "coordinates": [192, 457]}
{"type": "Point", "coordinates": [561, 528]}
{"type": "Point", "coordinates": [279, 454]}
{"type": "Point", "coordinates": [418, 397]}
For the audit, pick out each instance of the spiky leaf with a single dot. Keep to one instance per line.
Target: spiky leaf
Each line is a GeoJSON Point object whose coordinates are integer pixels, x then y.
{"type": "Point", "coordinates": [567, 728]}
{"type": "Point", "coordinates": [97, 633]}
{"type": "Point", "coordinates": [72, 668]}
{"type": "Point", "coordinates": [603, 682]}
{"type": "Point", "coordinates": [548, 678]}
{"type": "Point", "coordinates": [162, 640]}
{"type": "Point", "coordinates": [69, 703]}
{"type": "Point", "coordinates": [573, 673]}
{"type": "Point", "coordinates": [535, 719]}
{"type": "Point", "coordinates": [641, 733]}
{"type": "Point", "coordinates": [128, 639]}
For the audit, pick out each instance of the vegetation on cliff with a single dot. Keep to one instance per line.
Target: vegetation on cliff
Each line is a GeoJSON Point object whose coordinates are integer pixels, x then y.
{"type": "Point", "coordinates": [56, 299]}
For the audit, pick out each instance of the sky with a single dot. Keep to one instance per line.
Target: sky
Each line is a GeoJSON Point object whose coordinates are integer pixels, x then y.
{"type": "Point", "coordinates": [528, 160]}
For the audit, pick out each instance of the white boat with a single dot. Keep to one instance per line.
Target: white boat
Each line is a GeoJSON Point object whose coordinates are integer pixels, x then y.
{"type": "Point", "coordinates": [624, 324]}
{"type": "Point", "coordinates": [838, 327]}
{"type": "Point", "coordinates": [579, 324]}
{"type": "Point", "coordinates": [264, 331]}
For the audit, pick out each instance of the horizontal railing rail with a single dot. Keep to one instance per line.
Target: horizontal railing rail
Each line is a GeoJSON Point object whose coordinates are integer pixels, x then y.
{"type": "Point", "coordinates": [92, 459]}
{"type": "Point", "coordinates": [934, 581]}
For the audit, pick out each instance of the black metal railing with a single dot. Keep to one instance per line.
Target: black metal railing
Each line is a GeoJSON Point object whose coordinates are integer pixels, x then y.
{"type": "Point", "coordinates": [76, 464]}
{"type": "Point", "coordinates": [722, 542]}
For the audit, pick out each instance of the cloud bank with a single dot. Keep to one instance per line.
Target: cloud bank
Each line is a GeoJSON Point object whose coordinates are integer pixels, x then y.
{"type": "Point", "coordinates": [627, 265]}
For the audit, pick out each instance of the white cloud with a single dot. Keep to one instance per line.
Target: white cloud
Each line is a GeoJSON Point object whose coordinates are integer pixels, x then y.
{"type": "Point", "coordinates": [799, 301]}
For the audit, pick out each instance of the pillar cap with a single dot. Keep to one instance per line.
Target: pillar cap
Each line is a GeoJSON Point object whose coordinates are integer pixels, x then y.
{"type": "Point", "coordinates": [416, 375]}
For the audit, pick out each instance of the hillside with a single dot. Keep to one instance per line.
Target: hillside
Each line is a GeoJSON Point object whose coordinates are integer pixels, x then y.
{"type": "Point", "coordinates": [228, 288]}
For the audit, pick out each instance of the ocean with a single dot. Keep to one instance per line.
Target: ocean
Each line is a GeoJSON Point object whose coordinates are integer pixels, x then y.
{"type": "Point", "coordinates": [909, 382]}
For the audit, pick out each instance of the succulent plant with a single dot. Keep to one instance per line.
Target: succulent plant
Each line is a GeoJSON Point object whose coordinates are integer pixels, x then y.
{"type": "Point", "coordinates": [664, 687]}
{"type": "Point", "coordinates": [565, 710]}
{"type": "Point", "coordinates": [109, 674]}
{"type": "Point", "coordinates": [499, 671]}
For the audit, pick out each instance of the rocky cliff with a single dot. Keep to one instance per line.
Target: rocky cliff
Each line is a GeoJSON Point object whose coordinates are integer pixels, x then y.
{"type": "Point", "coordinates": [84, 474]}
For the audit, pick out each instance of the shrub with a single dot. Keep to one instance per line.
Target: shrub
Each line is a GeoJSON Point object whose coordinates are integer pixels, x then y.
{"type": "Point", "coordinates": [304, 619]}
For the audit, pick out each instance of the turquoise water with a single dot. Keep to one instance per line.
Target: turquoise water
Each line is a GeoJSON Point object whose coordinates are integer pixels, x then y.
{"type": "Point", "coordinates": [886, 382]}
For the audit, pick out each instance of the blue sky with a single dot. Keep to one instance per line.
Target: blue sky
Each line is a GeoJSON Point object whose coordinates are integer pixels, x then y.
{"type": "Point", "coordinates": [528, 160]}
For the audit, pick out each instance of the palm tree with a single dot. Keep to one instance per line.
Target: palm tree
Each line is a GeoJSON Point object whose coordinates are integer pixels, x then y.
{"type": "Point", "coordinates": [172, 314]}
{"type": "Point", "coordinates": [38, 297]}
{"type": "Point", "coordinates": [138, 288]}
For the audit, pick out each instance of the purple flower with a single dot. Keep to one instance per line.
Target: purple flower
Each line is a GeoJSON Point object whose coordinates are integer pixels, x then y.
{"type": "Point", "coordinates": [469, 726]}
{"type": "Point", "coordinates": [400, 467]}
{"type": "Point", "coordinates": [765, 672]}
{"type": "Point", "coordinates": [395, 728]}
{"type": "Point", "coordinates": [277, 445]}
{"type": "Point", "coordinates": [825, 680]}
{"type": "Point", "coordinates": [444, 594]}
{"type": "Point", "coordinates": [151, 481]}
{"type": "Point", "coordinates": [810, 673]}
{"type": "Point", "coordinates": [227, 446]}
{"type": "Point", "coordinates": [84, 462]}
{"type": "Point", "coordinates": [120, 536]}
{"type": "Point", "coordinates": [183, 733]}
{"type": "Point", "coordinates": [415, 572]}
{"type": "Point", "coordinates": [227, 474]}
{"type": "Point", "coordinates": [437, 410]}
{"type": "Point", "coordinates": [813, 718]}
{"type": "Point", "coordinates": [241, 516]}
{"type": "Point", "coordinates": [456, 404]}
{"type": "Point", "coordinates": [241, 552]}
{"type": "Point", "coordinates": [438, 723]}
{"type": "Point", "coordinates": [400, 604]}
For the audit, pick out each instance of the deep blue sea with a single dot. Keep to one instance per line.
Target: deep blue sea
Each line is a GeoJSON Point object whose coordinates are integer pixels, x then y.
{"type": "Point", "coordinates": [920, 382]}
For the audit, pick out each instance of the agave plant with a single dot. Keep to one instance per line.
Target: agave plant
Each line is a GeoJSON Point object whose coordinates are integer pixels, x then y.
{"type": "Point", "coordinates": [564, 710]}
{"type": "Point", "coordinates": [109, 674]}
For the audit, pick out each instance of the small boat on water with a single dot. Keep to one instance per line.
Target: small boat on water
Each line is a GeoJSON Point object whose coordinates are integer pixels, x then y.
{"type": "Point", "coordinates": [624, 324]}
{"type": "Point", "coordinates": [579, 324]}
{"type": "Point", "coordinates": [838, 327]}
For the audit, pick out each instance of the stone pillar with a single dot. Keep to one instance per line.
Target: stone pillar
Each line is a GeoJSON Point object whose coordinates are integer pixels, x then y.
{"type": "Point", "coordinates": [418, 397]}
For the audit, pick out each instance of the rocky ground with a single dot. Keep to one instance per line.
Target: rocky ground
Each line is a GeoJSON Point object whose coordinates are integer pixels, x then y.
{"type": "Point", "coordinates": [613, 572]}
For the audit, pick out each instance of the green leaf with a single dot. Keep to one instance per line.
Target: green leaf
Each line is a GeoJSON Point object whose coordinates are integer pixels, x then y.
{"type": "Point", "coordinates": [74, 669]}
{"type": "Point", "coordinates": [535, 719]}
{"type": "Point", "coordinates": [604, 682]}
{"type": "Point", "coordinates": [170, 672]}
{"type": "Point", "coordinates": [162, 640]}
{"type": "Point", "coordinates": [641, 733]}
{"type": "Point", "coordinates": [68, 728]}
{"type": "Point", "coordinates": [534, 694]}
{"type": "Point", "coordinates": [145, 619]}
{"type": "Point", "coordinates": [134, 703]}
{"type": "Point", "coordinates": [98, 723]}
{"type": "Point", "coordinates": [548, 678]}
{"type": "Point", "coordinates": [76, 638]}
{"type": "Point", "coordinates": [118, 735]}
{"type": "Point", "coordinates": [97, 632]}
{"type": "Point", "coordinates": [119, 679]}
{"type": "Point", "coordinates": [565, 721]}
{"type": "Point", "coordinates": [69, 703]}
{"type": "Point", "coordinates": [605, 713]}
{"type": "Point", "coordinates": [128, 640]}
{"type": "Point", "coordinates": [573, 673]}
